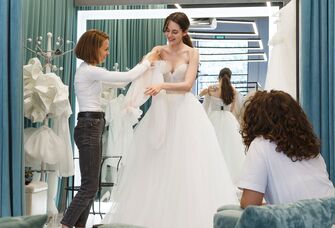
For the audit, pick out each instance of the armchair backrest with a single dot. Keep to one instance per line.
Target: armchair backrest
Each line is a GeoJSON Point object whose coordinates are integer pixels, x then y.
{"type": "Point", "coordinates": [304, 213]}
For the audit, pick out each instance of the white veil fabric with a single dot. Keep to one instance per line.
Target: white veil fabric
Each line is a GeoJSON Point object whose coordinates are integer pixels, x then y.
{"type": "Point", "coordinates": [123, 112]}
{"type": "Point", "coordinates": [281, 73]}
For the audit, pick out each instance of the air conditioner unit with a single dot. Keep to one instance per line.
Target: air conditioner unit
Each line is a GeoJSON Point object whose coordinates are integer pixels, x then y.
{"type": "Point", "coordinates": [203, 24]}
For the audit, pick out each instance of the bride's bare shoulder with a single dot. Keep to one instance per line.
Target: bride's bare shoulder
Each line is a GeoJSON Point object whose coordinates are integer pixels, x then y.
{"type": "Point", "coordinates": [159, 48]}
{"type": "Point", "coordinates": [190, 51]}
{"type": "Point", "coordinates": [165, 48]}
{"type": "Point", "coordinates": [193, 50]}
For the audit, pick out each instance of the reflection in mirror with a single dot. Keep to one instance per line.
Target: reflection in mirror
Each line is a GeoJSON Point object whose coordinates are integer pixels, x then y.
{"type": "Point", "coordinates": [238, 44]}
{"type": "Point", "coordinates": [234, 37]}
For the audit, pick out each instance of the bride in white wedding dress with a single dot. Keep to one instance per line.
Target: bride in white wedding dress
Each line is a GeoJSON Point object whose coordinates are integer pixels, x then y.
{"type": "Point", "coordinates": [175, 175]}
{"type": "Point", "coordinates": [220, 103]}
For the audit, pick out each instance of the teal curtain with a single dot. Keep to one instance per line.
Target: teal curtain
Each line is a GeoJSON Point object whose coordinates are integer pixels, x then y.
{"type": "Point", "coordinates": [60, 18]}
{"type": "Point", "coordinates": [130, 39]}
{"type": "Point", "coordinates": [11, 115]}
{"type": "Point", "coordinates": [318, 72]}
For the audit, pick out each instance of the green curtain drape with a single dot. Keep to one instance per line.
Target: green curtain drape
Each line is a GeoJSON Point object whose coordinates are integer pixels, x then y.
{"type": "Point", "coordinates": [130, 39]}
{"type": "Point", "coordinates": [58, 17]}
{"type": "Point", "coordinates": [11, 115]}
{"type": "Point", "coordinates": [318, 72]}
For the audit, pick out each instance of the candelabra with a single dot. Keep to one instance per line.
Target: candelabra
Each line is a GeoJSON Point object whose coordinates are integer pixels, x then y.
{"type": "Point", "coordinates": [49, 54]}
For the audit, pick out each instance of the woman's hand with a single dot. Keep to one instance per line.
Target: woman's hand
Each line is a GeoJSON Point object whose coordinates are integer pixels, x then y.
{"type": "Point", "coordinates": [153, 56]}
{"type": "Point", "coordinates": [153, 90]}
{"type": "Point", "coordinates": [203, 92]}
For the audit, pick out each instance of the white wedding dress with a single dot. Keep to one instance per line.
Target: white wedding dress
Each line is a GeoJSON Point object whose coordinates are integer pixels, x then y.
{"type": "Point", "coordinates": [227, 130]}
{"type": "Point", "coordinates": [281, 73]}
{"type": "Point", "coordinates": [175, 174]}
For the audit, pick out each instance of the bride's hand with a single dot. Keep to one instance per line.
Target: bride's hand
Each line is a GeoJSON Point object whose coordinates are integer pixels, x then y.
{"type": "Point", "coordinates": [203, 92]}
{"type": "Point", "coordinates": [153, 90]}
{"type": "Point", "coordinates": [153, 56]}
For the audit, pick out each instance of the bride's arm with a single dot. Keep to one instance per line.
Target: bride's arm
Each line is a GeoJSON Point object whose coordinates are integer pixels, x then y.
{"type": "Point", "coordinates": [186, 85]}
{"type": "Point", "coordinates": [204, 92]}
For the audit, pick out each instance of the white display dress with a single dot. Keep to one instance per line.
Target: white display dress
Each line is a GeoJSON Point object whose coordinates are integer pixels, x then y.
{"type": "Point", "coordinates": [227, 131]}
{"type": "Point", "coordinates": [175, 174]}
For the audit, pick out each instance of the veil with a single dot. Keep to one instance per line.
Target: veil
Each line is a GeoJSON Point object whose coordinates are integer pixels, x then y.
{"type": "Point", "coordinates": [123, 113]}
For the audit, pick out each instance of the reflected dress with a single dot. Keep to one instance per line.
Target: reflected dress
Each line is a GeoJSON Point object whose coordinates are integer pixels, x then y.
{"type": "Point", "coordinates": [227, 130]}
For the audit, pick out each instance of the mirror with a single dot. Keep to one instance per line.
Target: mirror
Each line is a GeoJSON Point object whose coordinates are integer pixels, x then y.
{"type": "Point", "coordinates": [226, 36]}
{"type": "Point", "coordinates": [231, 35]}
{"type": "Point", "coordinates": [238, 40]}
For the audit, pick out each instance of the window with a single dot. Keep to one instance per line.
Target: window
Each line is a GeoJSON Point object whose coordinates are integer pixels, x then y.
{"type": "Point", "coordinates": [217, 54]}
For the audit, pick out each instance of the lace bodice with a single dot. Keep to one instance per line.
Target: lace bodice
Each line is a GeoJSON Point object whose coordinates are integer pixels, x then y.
{"type": "Point", "coordinates": [217, 104]}
{"type": "Point", "coordinates": [173, 75]}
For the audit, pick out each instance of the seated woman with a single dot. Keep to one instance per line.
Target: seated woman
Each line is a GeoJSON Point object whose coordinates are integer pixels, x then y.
{"type": "Point", "coordinates": [283, 162]}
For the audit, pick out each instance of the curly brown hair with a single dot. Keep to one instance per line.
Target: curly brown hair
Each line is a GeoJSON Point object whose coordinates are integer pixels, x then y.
{"type": "Point", "coordinates": [276, 116]}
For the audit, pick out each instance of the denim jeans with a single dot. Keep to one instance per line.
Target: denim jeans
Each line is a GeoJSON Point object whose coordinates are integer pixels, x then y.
{"type": "Point", "coordinates": [88, 138]}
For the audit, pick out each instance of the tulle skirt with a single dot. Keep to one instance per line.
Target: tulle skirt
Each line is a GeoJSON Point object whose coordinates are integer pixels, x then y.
{"type": "Point", "coordinates": [175, 174]}
{"type": "Point", "coordinates": [227, 131]}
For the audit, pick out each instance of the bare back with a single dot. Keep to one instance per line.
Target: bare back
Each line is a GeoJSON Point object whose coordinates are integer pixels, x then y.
{"type": "Point", "coordinates": [215, 91]}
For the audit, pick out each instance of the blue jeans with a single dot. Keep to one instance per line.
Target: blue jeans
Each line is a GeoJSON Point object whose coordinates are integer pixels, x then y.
{"type": "Point", "coordinates": [88, 138]}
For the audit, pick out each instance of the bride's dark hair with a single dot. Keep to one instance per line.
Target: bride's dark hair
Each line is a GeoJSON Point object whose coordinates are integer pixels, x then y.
{"type": "Point", "coordinates": [227, 90]}
{"type": "Point", "coordinates": [182, 20]}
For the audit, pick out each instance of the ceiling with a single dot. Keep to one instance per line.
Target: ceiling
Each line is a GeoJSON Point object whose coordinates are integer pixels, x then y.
{"type": "Point", "coordinates": [191, 2]}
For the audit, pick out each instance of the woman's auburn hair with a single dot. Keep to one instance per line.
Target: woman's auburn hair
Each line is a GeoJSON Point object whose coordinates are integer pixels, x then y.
{"type": "Point", "coordinates": [87, 48]}
{"type": "Point", "coordinates": [276, 116]}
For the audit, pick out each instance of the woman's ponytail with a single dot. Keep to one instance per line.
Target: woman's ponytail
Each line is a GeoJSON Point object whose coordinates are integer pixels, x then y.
{"type": "Point", "coordinates": [187, 40]}
{"type": "Point", "coordinates": [227, 90]}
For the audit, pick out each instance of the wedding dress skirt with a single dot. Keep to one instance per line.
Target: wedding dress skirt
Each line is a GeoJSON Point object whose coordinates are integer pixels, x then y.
{"type": "Point", "coordinates": [175, 175]}
{"type": "Point", "coordinates": [227, 130]}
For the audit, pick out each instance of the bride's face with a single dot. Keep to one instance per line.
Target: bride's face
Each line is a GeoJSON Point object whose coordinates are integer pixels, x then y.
{"type": "Point", "coordinates": [174, 34]}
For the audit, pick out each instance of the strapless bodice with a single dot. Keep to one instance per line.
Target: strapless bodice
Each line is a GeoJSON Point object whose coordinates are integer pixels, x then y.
{"type": "Point", "coordinates": [217, 104]}
{"type": "Point", "coordinates": [173, 75]}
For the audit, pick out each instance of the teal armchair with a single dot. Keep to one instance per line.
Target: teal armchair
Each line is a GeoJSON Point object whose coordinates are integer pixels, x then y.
{"type": "Point", "coordinates": [32, 221]}
{"type": "Point", "coordinates": [304, 213]}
